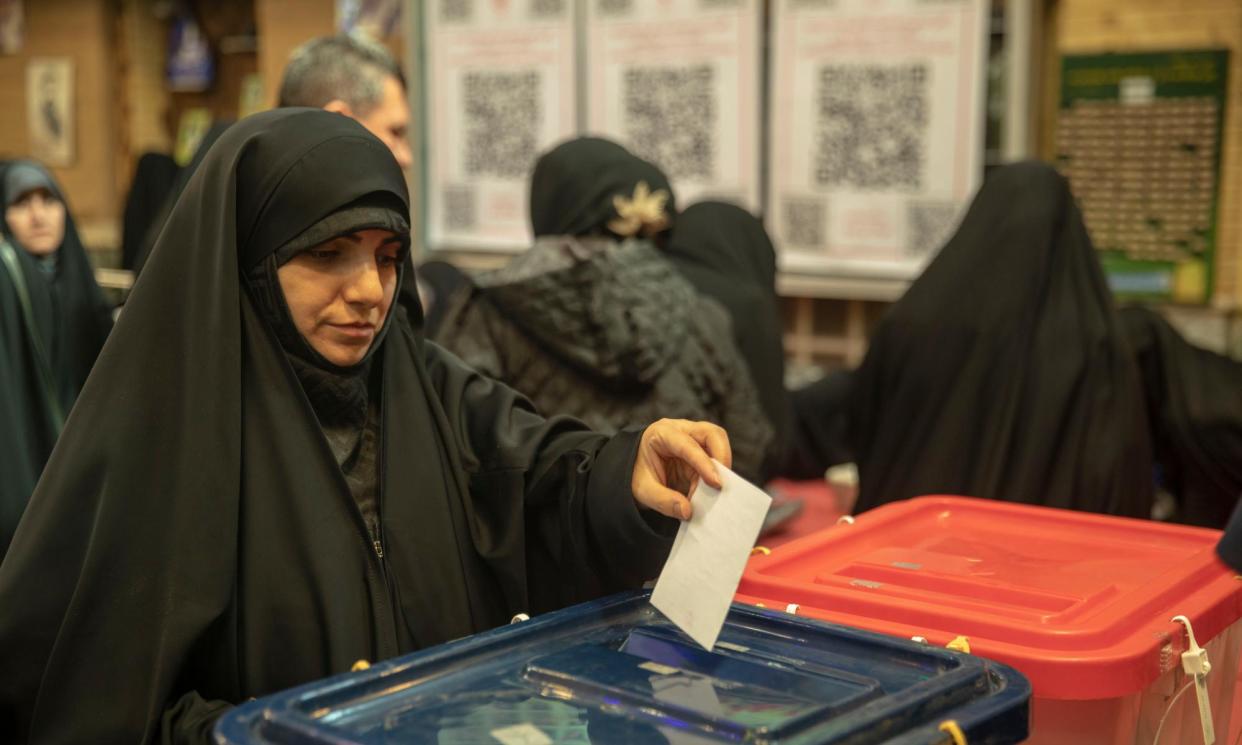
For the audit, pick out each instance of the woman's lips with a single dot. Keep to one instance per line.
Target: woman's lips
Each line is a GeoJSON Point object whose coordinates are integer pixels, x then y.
{"type": "Point", "coordinates": [354, 330]}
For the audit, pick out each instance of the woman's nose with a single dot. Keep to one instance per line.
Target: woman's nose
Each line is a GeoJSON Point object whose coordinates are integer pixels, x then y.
{"type": "Point", "coordinates": [365, 286]}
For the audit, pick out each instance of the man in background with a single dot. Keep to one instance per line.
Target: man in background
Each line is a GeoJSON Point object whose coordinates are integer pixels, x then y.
{"type": "Point", "coordinates": [355, 77]}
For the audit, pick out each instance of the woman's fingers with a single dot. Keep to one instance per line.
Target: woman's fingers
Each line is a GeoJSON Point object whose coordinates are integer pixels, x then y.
{"type": "Point", "coordinates": [664, 500]}
{"type": "Point", "coordinates": [677, 443]}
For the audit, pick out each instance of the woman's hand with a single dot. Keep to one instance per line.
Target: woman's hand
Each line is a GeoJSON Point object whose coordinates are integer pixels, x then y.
{"type": "Point", "coordinates": [672, 456]}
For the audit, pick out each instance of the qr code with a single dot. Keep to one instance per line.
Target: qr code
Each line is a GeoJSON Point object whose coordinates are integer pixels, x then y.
{"type": "Point", "coordinates": [928, 226]}
{"type": "Point", "coordinates": [503, 114]}
{"type": "Point", "coordinates": [805, 220]}
{"type": "Point", "coordinates": [547, 8]}
{"type": "Point", "coordinates": [456, 10]}
{"type": "Point", "coordinates": [614, 7]}
{"type": "Point", "coordinates": [459, 208]}
{"type": "Point", "coordinates": [670, 118]}
{"type": "Point", "coordinates": [872, 126]}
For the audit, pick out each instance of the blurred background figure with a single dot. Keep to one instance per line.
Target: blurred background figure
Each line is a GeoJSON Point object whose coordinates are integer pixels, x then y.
{"type": "Point", "coordinates": [53, 323]}
{"type": "Point", "coordinates": [594, 321]}
{"type": "Point", "coordinates": [724, 251]}
{"type": "Point", "coordinates": [1194, 409]}
{"type": "Point", "coordinates": [1003, 372]}
{"type": "Point", "coordinates": [154, 177]}
{"type": "Point", "coordinates": [179, 182]}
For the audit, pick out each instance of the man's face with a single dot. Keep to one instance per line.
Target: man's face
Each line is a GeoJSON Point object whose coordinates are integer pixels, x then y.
{"type": "Point", "coordinates": [390, 121]}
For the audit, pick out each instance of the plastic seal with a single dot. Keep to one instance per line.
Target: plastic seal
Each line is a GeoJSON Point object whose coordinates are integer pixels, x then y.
{"type": "Point", "coordinates": [519, 618]}
{"type": "Point", "coordinates": [1196, 663]}
{"type": "Point", "coordinates": [954, 731]}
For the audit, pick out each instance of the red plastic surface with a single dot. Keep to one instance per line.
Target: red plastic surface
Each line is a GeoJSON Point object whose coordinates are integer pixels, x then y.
{"type": "Point", "coordinates": [1080, 603]}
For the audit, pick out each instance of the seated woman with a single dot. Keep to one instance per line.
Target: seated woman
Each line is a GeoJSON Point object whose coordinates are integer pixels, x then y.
{"type": "Point", "coordinates": [53, 322]}
{"type": "Point", "coordinates": [1003, 373]}
{"type": "Point", "coordinates": [594, 322]}
{"type": "Point", "coordinates": [270, 475]}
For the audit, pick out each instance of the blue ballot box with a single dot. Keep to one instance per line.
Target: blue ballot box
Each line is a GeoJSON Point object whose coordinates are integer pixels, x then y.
{"type": "Point", "coordinates": [616, 671]}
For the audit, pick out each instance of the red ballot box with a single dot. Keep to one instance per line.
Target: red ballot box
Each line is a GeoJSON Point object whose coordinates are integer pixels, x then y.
{"type": "Point", "coordinates": [1082, 604]}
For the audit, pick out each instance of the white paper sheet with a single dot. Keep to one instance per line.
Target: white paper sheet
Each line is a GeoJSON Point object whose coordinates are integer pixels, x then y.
{"type": "Point", "coordinates": [709, 554]}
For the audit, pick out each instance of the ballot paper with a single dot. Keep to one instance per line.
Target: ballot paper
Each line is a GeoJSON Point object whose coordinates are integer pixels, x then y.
{"type": "Point", "coordinates": [697, 584]}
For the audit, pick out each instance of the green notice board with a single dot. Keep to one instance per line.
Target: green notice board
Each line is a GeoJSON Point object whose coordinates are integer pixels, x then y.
{"type": "Point", "coordinates": [1139, 137]}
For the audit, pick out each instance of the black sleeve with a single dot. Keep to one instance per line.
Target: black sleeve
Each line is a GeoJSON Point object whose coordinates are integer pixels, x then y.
{"type": "Point", "coordinates": [1230, 547]}
{"type": "Point", "coordinates": [564, 488]}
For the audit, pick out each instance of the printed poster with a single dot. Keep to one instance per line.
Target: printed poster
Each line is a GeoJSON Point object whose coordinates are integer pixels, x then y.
{"type": "Point", "coordinates": [1139, 137]}
{"type": "Point", "coordinates": [50, 112]}
{"type": "Point", "coordinates": [378, 19]}
{"type": "Point", "coordinates": [876, 131]}
{"type": "Point", "coordinates": [678, 83]}
{"type": "Point", "coordinates": [12, 26]}
{"type": "Point", "coordinates": [499, 90]}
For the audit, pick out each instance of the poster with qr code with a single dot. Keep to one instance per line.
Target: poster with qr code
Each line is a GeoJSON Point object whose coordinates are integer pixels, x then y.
{"type": "Point", "coordinates": [678, 82]}
{"type": "Point", "coordinates": [875, 131]}
{"type": "Point", "coordinates": [499, 89]}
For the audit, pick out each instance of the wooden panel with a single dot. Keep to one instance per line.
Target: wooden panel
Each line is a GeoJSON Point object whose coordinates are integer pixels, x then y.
{"type": "Point", "coordinates": [82, 30]}
{"type": "Point", "coordinates": [282, 26]}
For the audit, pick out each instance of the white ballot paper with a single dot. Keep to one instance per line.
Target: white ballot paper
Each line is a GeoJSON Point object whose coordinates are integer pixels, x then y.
{"type": "Point", "coordinates": [709, 554]}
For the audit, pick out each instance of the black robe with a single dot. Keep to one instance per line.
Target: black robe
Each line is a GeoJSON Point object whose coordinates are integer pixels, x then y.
{"type": "Point", "coordinates": [32, 401]}
{"type": "Point", "coordinates": [193, 542]}
{"type": "Point", "coordinates": [1194, 403]}
{"type": "Point", "coordinates": [46, 357]}
{"type": "Point", "coordinates": [154, 179]}
{"type": "Point", "coordinates": [1003, 373]}
{"type": "Point", "coordinates": [146, 243]}
{"type": "Point", "coordinates": [724, 251]}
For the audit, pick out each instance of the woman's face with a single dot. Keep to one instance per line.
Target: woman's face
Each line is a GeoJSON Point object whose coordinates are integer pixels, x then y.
{"type": "Point", "coordinates": [339, 292]}
{"type": "Point", "coordinates": [37, 220]}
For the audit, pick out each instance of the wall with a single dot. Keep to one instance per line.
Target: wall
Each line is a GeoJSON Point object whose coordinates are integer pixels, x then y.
{"type": "Point", "coordinates": [282, 25]}
{"type": "Point", "coordinates": [83, 30]}
{"type": "Point", "coordinates": [1085, 26]}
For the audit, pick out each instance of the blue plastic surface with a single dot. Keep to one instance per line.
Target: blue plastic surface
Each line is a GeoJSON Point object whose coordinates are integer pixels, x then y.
{"type": "Point", "coordinates": [616, 671]}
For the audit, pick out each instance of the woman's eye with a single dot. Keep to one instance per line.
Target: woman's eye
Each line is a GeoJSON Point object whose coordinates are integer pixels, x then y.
{"type": "Point", "coordinates": [322, 254]}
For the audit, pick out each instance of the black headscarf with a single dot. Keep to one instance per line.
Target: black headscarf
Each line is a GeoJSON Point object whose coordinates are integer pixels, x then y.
{"type": "Point", "coordinates": [193, 542]}
{"type": "Point", "coordinates": [574, 187]}
{"type": "Point", "coordinates": [83, 314]}
{"type": "Point", "coordinates": [154, 177]}
{"type": "Point", "coordinates": [724, 251]}
{"type": "Point", "coordinates": [1194, 404]}
{"type": "Point", "coordinates": [1003, 373]}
